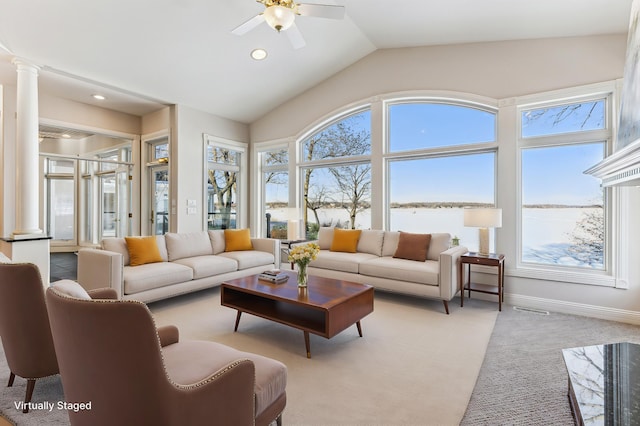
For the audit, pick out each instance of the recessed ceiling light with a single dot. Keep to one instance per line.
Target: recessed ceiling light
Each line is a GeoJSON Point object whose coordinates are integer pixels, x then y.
{"type": "Point", "coordinates": [66, 136]}
{"type": "Point", "coordinates": [258, 54]}
{"type": "Point", "coordinates": [99, 97]}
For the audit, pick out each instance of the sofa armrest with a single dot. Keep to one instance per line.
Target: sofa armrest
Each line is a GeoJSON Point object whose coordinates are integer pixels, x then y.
{"type": "Point", "coordinates": [103, 293]}
{"type": "Point", "coordinates": [269, 245]}
{"type": "Point", "coordinates": [168, 335]}
{"type": "Point", "coordinates": [449, 262]}
{"type": "Point", "coordinates": [100, 269]}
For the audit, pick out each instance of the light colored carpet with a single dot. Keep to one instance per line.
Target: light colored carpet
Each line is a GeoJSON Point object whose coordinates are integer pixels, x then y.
{"type": "Point", "coordinates": [414, 366]}
{"type": "Point", "coordinates": [523, 380]}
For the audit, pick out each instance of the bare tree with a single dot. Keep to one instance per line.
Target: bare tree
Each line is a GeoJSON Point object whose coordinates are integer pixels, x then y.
{"type": "Point", "coordinates": [588, 238]}
{"type": "Point", "coordinates": [342, 139]}
{"type": "Point", "coordinates": [223, 184]}
{"type": "Point", "coordinates": [354, 182]}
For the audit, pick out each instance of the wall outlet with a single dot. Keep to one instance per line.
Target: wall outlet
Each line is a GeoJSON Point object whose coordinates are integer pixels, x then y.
{"type": "Point", "coordinates": [192, 210]}
{"type": "Point", "coordinates": [191, 203]}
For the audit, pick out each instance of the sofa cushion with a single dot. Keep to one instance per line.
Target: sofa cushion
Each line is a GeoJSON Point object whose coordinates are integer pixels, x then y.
{"type": "Point", "coordinates": [154, 275]}
{"type": "Point", "coordinates": [402, 270]}
{"type": "Point", "coordinates": [371, 242]}
{"type": "Point", "coordinates": [250, 258]}
{"type": "Point", "coordinates": [339, 261]}
{"type": "Point", "coordinates": [209, 265]}
{"type": "Point", "coordinates": [345, 240]}
{"type": "Point", "coordinates": [390, 243]}
{"type": "Point", "coordinates": [117, 245]}
{"type": "Point", "coordinates": [325, 237]}
{"type": "Point", "coordinates": [237, 240]}
{"type": "Point", "coordinates": [188, 244]}
{"type": "Point", "coordinates": [439, 243]}
{"type": "Point", "coordinates": [217, 240]}
{"type": "Point", "coordinates": [188, 362]}
{"type": "Point", "coordinates": [142, 250]}
{"type": "Point", "coordinates": [71, 289]}
{"type": "Point", "coordinates": [412, 246]}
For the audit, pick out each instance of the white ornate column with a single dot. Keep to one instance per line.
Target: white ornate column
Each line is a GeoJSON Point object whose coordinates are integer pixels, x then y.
{"type": "Point", "coordinates": [27, 243]}
{"type": "Point", "coordinates": [27, 167]}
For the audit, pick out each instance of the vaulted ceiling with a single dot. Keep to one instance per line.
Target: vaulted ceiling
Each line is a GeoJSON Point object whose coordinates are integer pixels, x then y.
{"type": "Point", "coordinates": [143, 54]}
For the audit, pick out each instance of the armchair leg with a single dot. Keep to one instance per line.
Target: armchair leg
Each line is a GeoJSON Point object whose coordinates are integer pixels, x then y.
{"type": "Point", "coordinates": [12, 377]}
{"type": "Point", "coordinates": [279, 420]}
{"type": "Point", "coordinates": [446, 306]}
{"type": "Point", "coordinates": [31, 383]}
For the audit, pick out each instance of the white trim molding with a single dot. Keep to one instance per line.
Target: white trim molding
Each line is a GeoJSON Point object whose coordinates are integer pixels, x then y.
{"type": "Point", "coordinates": [560, 306]}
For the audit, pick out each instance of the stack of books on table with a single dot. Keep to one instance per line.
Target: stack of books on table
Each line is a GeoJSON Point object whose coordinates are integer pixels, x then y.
{"type": "Point", "coordinates": [274, 276]}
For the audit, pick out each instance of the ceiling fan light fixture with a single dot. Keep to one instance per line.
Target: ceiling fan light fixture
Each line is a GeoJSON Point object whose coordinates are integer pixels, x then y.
{"type": "Point", "coordinates": [279, 18]}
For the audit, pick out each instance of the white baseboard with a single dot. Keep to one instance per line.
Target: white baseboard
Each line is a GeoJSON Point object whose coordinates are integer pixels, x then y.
{"type": "Point", "coordinates": [612, 314]}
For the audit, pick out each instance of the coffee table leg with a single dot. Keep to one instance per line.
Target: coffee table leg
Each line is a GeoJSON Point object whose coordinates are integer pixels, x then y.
{"type": "Point", "coordinates": [237, 320]}
{"type": "Point", "coordinates": [359, 328]}
{"type": "Point", "coordinates": [307, 344]}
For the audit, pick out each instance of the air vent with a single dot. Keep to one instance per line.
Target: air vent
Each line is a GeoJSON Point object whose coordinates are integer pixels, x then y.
{"type": "Point", "coordinates": [532, 310]}
{"type": "Point", "coordinates": [50, 132]}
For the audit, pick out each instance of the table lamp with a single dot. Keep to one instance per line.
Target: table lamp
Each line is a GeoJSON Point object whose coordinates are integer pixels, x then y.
{"type": "Point", "coordinates": [483, 218]}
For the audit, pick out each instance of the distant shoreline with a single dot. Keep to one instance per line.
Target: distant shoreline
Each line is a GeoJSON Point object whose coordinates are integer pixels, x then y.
{"type": "Point", "coordinates": [447, 205]}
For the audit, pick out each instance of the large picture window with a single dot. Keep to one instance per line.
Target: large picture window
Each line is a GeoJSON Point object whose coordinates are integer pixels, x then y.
{"type": "Point", "coordinates": [442, 158]}
{"type": "Point", "coordinates": [563, 211]}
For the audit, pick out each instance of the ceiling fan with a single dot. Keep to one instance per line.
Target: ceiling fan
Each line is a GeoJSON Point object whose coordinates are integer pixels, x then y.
{"type": "Point", "coordinates": [281, 14]}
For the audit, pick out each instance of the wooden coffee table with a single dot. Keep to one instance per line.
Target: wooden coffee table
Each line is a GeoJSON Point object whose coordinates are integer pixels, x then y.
{"type": "Point", "coordinates": [326, 307]}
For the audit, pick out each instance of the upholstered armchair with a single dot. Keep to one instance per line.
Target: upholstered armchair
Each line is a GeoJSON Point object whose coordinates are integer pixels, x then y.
{"type": "Point", "coordinates": [24, 326]}
{"type": "Point", "coordinates": [112, 357]}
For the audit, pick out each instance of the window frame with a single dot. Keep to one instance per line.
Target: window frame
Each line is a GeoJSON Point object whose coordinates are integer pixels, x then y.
{"type": "Point", "coordinates": [301, 163]}
{"type": "Point", "coordinates": [613, 203]}
{"type": "Point", "coordinates": [389, 156]}
{"type": "Point", "coordinates": [242, 181]}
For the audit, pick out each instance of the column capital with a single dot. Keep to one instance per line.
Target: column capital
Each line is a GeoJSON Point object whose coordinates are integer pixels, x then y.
{"type": "Point", "coordinates": [22, 63]}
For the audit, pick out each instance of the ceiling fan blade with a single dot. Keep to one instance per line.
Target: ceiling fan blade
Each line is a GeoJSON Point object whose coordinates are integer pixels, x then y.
{"type": "Point", "coordinates": [249, 25]}
{"type": "Point", "coordinates": [295, 37]}
{"type": "Point", "coordinates": [321, 10]}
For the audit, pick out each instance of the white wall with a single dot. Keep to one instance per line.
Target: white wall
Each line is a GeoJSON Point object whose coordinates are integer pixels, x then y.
{"type": "Point", "coordinates": [500, 70]}
{"type": "Point", "coordinates": [187, 160]}
{"type": "Point", "coordinates": [496, 70]}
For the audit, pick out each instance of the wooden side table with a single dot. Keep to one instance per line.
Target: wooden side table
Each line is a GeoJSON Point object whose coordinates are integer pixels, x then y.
{"type": "Point", "coordinates": [471, 258]}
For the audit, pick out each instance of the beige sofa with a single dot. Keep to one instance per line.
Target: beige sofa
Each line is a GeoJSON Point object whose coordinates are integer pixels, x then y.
{"type": "Point", "coordinates": [373, 263]}
{"type": "Point", "coordinates": [191, 261]}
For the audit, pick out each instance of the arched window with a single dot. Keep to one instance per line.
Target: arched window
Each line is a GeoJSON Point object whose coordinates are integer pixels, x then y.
{"type": "Point", "coordinates": [335, 174]}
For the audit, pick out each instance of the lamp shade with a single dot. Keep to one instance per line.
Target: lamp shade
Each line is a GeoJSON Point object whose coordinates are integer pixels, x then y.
{"type": "Point", "coordinates": [483, 218]}
{"type": "Point", "coordinates": [279, 18]}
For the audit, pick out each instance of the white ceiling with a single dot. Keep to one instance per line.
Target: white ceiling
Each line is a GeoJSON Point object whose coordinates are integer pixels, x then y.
{"type": "Point", "coordinates": [145, 53]}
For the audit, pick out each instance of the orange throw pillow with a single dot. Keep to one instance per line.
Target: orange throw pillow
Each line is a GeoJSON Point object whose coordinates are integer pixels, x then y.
{"type": "Point", "coordinates": [237, 240]}
{"type": "Point", "coordinates": [142, 250]}
{"type": "Point", "coordinates": [413, 246]}
{"type": "Point", "coordinates": [345, 240]}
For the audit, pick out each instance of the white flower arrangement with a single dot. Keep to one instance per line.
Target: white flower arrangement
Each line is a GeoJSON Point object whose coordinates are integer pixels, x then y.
{"type": "Point", "coordinates": [302, 254]}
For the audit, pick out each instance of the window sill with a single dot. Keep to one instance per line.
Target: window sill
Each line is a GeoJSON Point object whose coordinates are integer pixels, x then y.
{"type": "Point", "coordinates": [571, 276]}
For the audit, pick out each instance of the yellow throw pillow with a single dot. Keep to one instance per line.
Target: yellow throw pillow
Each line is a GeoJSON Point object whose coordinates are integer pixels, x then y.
{"type": "Point", "coordinates": [142, 250]}
{"type": "Point", "coordinates": [345, 240]}
{"type": "Point", "coordinates": [237, 239]}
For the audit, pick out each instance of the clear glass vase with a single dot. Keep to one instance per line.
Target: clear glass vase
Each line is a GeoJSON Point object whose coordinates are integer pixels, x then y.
{"type": "Point", "coordinates": [302, 275]}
